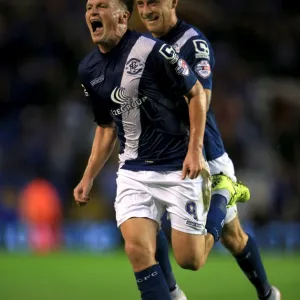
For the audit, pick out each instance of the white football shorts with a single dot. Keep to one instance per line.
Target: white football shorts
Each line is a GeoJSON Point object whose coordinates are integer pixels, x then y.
{"type": "Point", "coordinates": [225, 165]}
{"type": "Point", "coordinates": [148, 194]}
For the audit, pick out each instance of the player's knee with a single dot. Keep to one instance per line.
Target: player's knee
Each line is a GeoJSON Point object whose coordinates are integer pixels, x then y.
{"type": "Point", "coordinates": [188, 250]}
{"type": "Point", "coordinates": [234, 240]}
{"type": "Point", "coordinates": [191, 262]}
{"type": "Point", "coordinates": [140, 255]}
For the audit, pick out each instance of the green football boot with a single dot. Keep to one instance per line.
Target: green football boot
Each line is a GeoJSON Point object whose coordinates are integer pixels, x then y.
{"type": "Point", "coordinates": [238, 191]}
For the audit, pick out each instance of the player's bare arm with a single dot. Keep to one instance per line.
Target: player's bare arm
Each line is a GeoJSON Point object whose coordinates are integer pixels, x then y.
{"type": "Point", "coordinates": [208, 97]}
{"type": "Point", "coordinates": [103, 144]}
{"type": "Point", "coordinates": [194, 161]}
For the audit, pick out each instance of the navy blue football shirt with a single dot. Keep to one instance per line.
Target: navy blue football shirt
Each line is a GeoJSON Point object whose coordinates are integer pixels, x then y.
{"type": "Point", "coordinates": [194, 47]}
{"type": "Point", "coordinates": [137, 86]}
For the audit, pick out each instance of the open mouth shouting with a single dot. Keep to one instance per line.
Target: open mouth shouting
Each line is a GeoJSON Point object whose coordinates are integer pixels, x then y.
{"type": "Point", "coordinates": [96, 26]}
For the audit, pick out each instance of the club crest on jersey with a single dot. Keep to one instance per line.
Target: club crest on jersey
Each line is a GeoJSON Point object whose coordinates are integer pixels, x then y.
{"type": "Point", "coordinates": [126, 103]}
{"type": "Point", "coordinates": [134, 66]}
{"type": "Point", "coordinates": [203, 69]}
{"type": "Point", "coordinates": [182, 68]}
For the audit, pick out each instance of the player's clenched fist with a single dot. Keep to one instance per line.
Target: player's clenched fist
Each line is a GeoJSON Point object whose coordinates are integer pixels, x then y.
{"type": "Point", "coordinates": [82, 191]}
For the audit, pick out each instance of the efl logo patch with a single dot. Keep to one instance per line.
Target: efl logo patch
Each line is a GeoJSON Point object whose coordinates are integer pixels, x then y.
{"type": "Point", "coordinates": [201, 49]}
{"type": "Point", "coordinates": [169, 53]}
{"type": "Point", "coordinates": [203, 69]}
{"type": "Point", "coordinates": [182, 68]}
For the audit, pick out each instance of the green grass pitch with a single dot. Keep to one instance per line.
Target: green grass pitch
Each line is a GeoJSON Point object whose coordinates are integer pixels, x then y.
{"type": "Point", "coordinates": [69, 276]}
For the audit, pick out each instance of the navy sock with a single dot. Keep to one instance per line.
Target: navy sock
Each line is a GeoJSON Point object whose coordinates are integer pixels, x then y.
{"type": "Point", "coordinates": [152, 284]}
{"type": "Point", "coordinates": [251, 264]}
{"type": "Point", "coordinates": [216, 216]}
{"type": "Point", "coordinates": [162, 256]}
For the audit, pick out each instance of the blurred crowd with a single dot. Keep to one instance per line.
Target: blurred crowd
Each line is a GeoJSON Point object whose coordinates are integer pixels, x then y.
{"type": "Point", "coordinates": [46, 126]}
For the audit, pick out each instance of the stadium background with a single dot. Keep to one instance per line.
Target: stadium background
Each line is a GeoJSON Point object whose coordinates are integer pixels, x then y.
{"type": "Point", "coordinates": [46, 131]}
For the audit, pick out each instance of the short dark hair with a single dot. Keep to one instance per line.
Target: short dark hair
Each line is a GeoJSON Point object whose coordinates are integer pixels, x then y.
{"type": "Point", "coordinates": [129, 4]}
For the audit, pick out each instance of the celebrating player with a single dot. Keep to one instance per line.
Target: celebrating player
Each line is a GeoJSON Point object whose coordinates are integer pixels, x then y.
{"type": "Point", "coordinates": [134, 85]}
{"type": "Point", "coordinates": [160, 19]}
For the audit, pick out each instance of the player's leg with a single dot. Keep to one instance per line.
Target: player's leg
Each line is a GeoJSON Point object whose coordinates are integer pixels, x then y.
{"type": "Point", "coordinates": [189, 249]}
{"type": "Point", "coordinates": [225, 192]}
{"type": "Point", "coordinates": [233, 236]}
{"type": "Point", "coordinates": [215, 221]}
{"type": "Point", "coordinates": [162, 256]}
{"type": "Point", "coordinates": [246, 253]}
{"type": "Point", "coordinates": [140, 245]}
{"type": "Point", "coordinates": [138, 216]}
{"type": "Point", "coordinates": [187, 209]}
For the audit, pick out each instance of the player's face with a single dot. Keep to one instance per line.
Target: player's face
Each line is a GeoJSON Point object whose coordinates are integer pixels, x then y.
{"type": "Point", "coordinates": [103, 18]}
{"type": "Point", "coordinates": [157, 15]}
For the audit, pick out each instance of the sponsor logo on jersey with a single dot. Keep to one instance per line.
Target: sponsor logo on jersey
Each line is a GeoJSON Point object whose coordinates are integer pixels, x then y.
{"type": "Point", "coordinates": [127, 103]}
{"type": "Point", "coordinates": [119, 96]}
{"type": "Point", "coordinates": [203, 69]}
{"type": "Point", "coordinates": [182, 68]}
{"type": "Point", "coordinates": [134, 66]}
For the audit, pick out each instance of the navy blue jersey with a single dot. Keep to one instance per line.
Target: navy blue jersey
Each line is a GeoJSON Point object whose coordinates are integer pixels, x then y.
{"type": "Point", "coordinates": [194, 47]}
{"type": "Point", "coordinates": [137, 86]}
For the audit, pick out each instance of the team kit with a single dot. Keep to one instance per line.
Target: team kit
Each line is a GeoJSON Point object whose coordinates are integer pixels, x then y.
{"type": "Point", "coordinates": [152, 94]}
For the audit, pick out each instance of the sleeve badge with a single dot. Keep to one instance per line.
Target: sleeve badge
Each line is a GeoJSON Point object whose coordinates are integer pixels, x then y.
{"type": "Point", "coordinates": [203, 69]}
